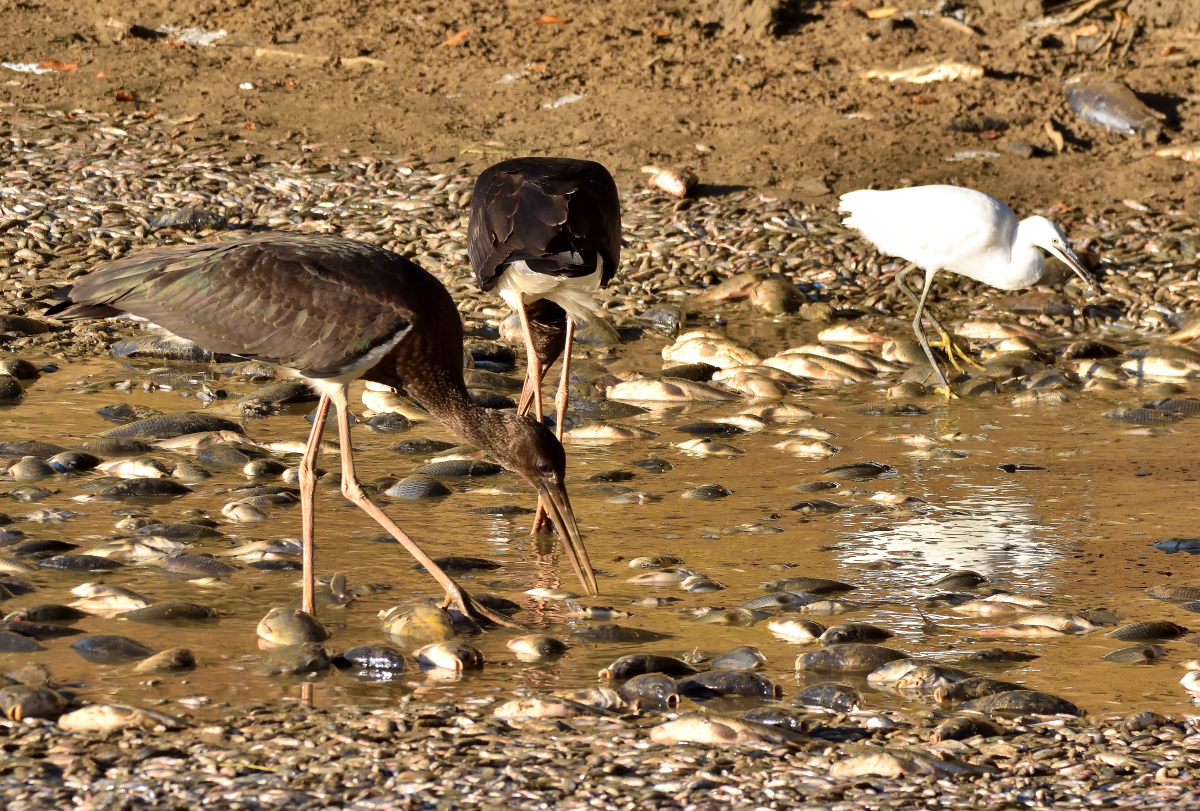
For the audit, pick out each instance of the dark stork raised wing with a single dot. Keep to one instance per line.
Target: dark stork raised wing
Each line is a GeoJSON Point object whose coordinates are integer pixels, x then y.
{"type": "Point", "coordinates": [317, 306]}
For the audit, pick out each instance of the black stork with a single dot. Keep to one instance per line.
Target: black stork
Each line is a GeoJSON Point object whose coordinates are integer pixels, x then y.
{"type": "Point", "coordinates": [332, 311]}
{"type": "Point", "coordinates": [545, 233]}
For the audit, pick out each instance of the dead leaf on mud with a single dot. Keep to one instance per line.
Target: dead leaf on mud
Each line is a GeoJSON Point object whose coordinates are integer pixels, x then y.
{"type": "Point", "coordinates": [551, 19]}
{"type": "Point", "coordinates": [457, 39]}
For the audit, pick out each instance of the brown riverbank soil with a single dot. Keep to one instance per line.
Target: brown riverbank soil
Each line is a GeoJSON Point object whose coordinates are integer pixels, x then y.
{"type": "Point", "coordinates": [785, 110]}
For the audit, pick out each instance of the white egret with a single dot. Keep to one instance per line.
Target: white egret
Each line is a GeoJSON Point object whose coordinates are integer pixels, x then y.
{"type": "Point", "coordinates": [961, 231]}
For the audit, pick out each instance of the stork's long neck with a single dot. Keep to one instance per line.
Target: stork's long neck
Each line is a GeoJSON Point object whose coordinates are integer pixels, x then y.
{"type": "Point", "coordinates": [444, 394]}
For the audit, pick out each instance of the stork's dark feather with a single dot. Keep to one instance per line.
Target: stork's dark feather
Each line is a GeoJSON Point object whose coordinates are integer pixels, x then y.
{"type": "Point", "coordinates": [318, 305]}
{"type": "Point", "coordinates": [566, 206]}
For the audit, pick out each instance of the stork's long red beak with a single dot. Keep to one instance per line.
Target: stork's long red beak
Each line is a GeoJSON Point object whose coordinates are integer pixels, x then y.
{"type": "Point", "coordinates": [558, 509]}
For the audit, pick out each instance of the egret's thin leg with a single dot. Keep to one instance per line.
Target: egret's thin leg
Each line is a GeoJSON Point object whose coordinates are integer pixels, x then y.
{"type": "Point", "coordinates": [533, 368]}
{"type": "Point", "coordinates": [948, 343]}
{"type": "Point", "coordinates": [308, 487]}
{"type": "Point", "coordinates": [920, 332]}
{"type": "Point", "coordinates": [353, 491]}
{"type": "Point", "coordinates": [560, 403]}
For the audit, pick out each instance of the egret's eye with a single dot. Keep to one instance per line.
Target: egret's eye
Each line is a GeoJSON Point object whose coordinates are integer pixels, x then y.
{"type": "Point", "coordinates": [544, 467]}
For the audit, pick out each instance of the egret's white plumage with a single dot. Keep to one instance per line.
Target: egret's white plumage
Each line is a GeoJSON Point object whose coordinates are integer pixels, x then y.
{"type": "Point", "coordinates": [957, 230]}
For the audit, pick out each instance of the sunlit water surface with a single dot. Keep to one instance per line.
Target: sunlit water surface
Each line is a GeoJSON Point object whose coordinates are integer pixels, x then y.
{"type": "Point", "coordinates": [1077, 533]}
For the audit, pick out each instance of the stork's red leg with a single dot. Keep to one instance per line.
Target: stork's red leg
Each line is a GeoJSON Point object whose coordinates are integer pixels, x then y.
{"type": "Point", "coordinates": [308, 486]}
{"type": "Point", "coordinates": [532, 391]}
{"type": "Point", "coordinates": [353, 491]}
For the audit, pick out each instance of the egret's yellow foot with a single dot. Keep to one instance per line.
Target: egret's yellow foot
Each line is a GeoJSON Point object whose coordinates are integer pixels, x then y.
{"type": "Point", "coordinates": [953, 351]}
{"type": "Point", "coordinates": [946, 392]}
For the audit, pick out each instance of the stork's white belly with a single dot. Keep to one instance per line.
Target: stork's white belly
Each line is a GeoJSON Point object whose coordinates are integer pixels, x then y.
{"type": "Point", "coordinates": [518, 284]}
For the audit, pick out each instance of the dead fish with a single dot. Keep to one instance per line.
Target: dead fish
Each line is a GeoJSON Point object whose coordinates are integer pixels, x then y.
{"type": "Point", "coordinates": [744, 657]}
{"type": "Point", "coordinates": [721, 353]}
{"type": "Point", "coordinates": [170, 612]}
{"type": "Point", "coordinates": [662, 561]}
{"type": "Point", "coordinates": [531, 707]}
{"type": "Point", "coordinates": [638, 663]}
{"type": "Point", "coordinates": [811, 585]}
{"type": "Point", "coordinates": [101, 598]}
{"type": "Point", "coordinates": [48, 612]}
{"type": "Point", "coordinates": [667, 390]}
{"type": "Point", "coordinates": [854, 632]}
{"type": "Point", "coordinates": [1136, 655]}
{"type": "Point", "coordinates": [1184, 593]}
{"type": "Point", "coordinates": [417, 623]}
{"type": "Point", "coordinates": [295, 660]}
{"type": "Point", "coordinates": [964, 727]}
{"type": "Point", "coordinates": [172, 425]}
{"type": "Point", "coordinates": [1112, 105]}
{"type": "Point", "coordinates": [676, 182]}
{"type": "Point", "coordinates": [831, 607]}
{"type": "Point", "coordinates": [112, 717]}
{"type": "Point", "coordinates": [449, 655]}
{"type": "Point", "coordinates": [927, 73]}
{"type": "Point", "coordinates": [886, 675]}
{"type": "Point", "coordinates": [927, 678]}
{"type": "Point", "coordinates": [616, 635]}
{"type": "Point", "coordinates": [608, 432]}
{"type": "Point", "coordinates": [653, 690]}
{"type": "Point", "coordinates": [669, 576]}
{"type": "Point", "coordinates": [193, 566]}
{"type": "Point", "coordinates": [286, 627]}
{"type": "Point", "coordinates": [818, 506]}
{"type": "Point", "coordinates": [20, 701]}
{"type": "Point", "coordinates": [719, 731]}
{"type": "Point", "coordinates": [809, 448]}
{"type": "Point", "coordinates": [1022, 702]}
{"type": "Point", "coordinates": [1141, 631]}
{"type": "Point", "coordinates": [536, 647]}
{"type": "Point", "coordinates": [971, 689]}
{"type": "Point", "coordinates": [172, 660]}
{"type": "Point", "coordinates": [739, 617]}
{"type": "Point", "coordinates": [794, 629]}
{"type": "Point", "coordinates": [110, 649]}
{"type": "Point", "coordinates": [719, 683]}
{"type": "Point", "coordinates": [995, 655]}
{"type": "Point", "coordinates": [859, 471]}
{"type": "Point", "coordinates": [832, 697]}
{"type": "Point", "coordinates": [849, 658]}
{"type": "Point", "coordinates": [136, 467]}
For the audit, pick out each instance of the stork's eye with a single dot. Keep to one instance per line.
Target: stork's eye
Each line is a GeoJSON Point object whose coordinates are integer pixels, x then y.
{"type": "Point", "coordinates": [544, 467]}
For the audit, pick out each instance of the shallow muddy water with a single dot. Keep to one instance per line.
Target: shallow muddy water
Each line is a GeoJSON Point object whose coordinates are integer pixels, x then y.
{"type": "Point", "coordinates": [1076, 533]}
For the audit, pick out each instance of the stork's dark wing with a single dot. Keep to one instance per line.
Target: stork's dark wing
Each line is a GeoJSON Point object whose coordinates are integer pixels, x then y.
{"type": "Point", "coordinates": [538, 209]}
{"type": "Point", "coordinates": [318, 304]}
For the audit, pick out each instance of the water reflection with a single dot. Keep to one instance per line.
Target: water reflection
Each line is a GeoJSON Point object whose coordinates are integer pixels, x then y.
{"type": "Point", "coordinates": [989, 528]}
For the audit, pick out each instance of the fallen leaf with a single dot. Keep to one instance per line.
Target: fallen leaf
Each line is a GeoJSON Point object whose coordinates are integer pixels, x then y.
{"type": "Point", "coordinates": [880, 13]}
{"type": "Point", "coordinates": [54, 64]}
{"type": "Point", "coordinates": [1122, 17]}
{"type": "Point", "coordinates": [123, 95]}
{"type": "Point", "coordinates": [1089, 30]}
{"type": "Point", "coordinates": [1167, 50]}
{"type": "Point", "coordinates": [1056, 209]}
{"type": "Point", "coordinates": [1055, 136]}
{"type": "Point", "coordinates": [989, 135]}
{"type": "Point", "coordinates": [550, 19]}
{"type": "Point", "coordinates": [661, 33]}
{"type": "Point", "coordinates": [457, 39]}
{"type": "Point", "coordinates": [101, 75]}
{"type": "Point", "coordinates": [917, 98]}
{"type": "Point", "coordinates": [250, 125]}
